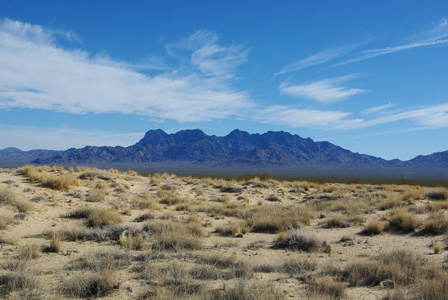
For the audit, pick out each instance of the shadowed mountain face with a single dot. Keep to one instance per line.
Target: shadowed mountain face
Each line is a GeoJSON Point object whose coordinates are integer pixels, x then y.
{"type": "Point", "coordinates": [237, 149]}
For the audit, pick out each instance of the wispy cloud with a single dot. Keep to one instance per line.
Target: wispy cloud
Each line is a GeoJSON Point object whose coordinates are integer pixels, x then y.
{"type": "Point", "coordinates": [429, 117]}
{"type": "Point", "coordinates": [434, 36]}
{"type": "Point", "coordinates": [316, 59]}
{"type": "Point", "coordinates": [208, 56]}
{"type": "Point", "coordinates": [293, 117]}
{"type": "Point", "coordinates": [378, 108]}
{"type": "Point", "coordinates": [38, 73]}
{"type": "Point", "coordinates": [323, 91]}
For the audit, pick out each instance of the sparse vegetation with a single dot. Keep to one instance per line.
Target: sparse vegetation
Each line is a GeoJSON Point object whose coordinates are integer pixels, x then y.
{"type": "Point", "coordinates": [175, 237]}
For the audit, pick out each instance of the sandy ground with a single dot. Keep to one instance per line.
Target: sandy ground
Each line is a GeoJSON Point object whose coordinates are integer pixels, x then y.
{"type": "Point", "coordinates": [46, 210]}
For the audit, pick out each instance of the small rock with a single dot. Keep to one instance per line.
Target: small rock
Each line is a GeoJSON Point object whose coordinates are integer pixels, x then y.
{"type": "Point", "coordinates": [20, 216]}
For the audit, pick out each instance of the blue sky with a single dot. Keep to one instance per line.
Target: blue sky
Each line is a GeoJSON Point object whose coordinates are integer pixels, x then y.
{"type": "Point", "coordinates": [369, 76]}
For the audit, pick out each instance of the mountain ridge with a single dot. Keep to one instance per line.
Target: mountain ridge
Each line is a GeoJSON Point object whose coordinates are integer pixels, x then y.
{"type": "Point", "coordinates": [237, 149]}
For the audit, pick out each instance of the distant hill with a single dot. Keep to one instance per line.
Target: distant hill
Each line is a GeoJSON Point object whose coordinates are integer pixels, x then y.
{"type": "Point", "coordinates": [238, 149]}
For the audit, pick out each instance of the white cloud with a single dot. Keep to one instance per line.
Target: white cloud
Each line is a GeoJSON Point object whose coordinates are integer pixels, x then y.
{"type": "Point", "coordinates": [209, 57]}
{"type": "Point", "coordinates": [292, 117]}
{"type": "Point", "coordinates": [36, 73]}
{"type": "Point", "coordinates": [324, 91]}
{"type": "Point", "coordinates": [378, 108]}
{"type": "Point", "coordinates": [430, 117]}
{"type": "Point", "coordinates": [434, 36]}
{"type": "Point", "coordinates": [316, 59]}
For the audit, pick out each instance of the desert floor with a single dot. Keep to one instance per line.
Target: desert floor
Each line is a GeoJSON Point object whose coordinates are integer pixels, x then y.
{"type": "Point", "coordinates": [88, 233]}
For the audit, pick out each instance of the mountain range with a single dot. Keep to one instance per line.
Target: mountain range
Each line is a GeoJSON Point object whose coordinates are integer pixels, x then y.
{"type": "Point", "coordinates": [238, 149]}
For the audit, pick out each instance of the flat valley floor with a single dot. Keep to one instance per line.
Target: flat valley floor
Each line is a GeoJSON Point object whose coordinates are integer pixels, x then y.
{"type": "Point", "coordinates": [88, 233]}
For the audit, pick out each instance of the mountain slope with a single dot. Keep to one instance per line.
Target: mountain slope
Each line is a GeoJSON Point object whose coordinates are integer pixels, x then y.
{"type": "Point", "coordinates": [238, 148]}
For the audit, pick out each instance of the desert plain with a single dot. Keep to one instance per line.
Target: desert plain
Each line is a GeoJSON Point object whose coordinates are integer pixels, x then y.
{"type": "Point", "coordinates": [91, 233]}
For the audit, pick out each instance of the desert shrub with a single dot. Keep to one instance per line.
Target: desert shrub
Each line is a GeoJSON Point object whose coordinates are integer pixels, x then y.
{"type": "Point", "coordinates": [131, 241]}
{"type": "Point", "coordinates": [171, 235]}
{"type": "Point", "coordinates": [403, 267]}
{"type": "Point", "coordinates": [29, 252]}
{"type": "Point", "coordinates": [244, 290]}
{"type": "Point", "coordinates": [96, 195]}
{"type": "Point", "coordinates": [204, 273]}
{"type": "Point", "coordinates": [93, 173]}
{"type": "Point", "coordinates": [336, 221]}
{"type": "Point", "coordinates": [389, 203]}
{"type": "Point", "coordinates": [170, 197]}
{"type": "Point", "coordinates": [326, 287]}
{"type": "Point", "coordinates": [79, 213]}
{"type": "Point", "coordinates": [55, 244]}
{"type": "Point", "coordinates": [8, 197]}
{"type": "Point", "coordinates": [432, 288]}
{"type": "Point", "coordinates": [436, 223]}
{"type": "Point", "coordinates": [297, 266]}
{"type": "Point", "coordinates": [101, 185]}
{"type": "Point", "coordinates": [21, 281]}
{"type": "Point", "coordinates": [59, 183]}
{"type": "Point", "coordinates": [437, 195]}
{"type": "Point", "coordinates": [276, 218]}
{"type": "Point", "coordinates": [5, 219]}
{"type": "Point", "coordinates": [175, 277]}
{"type": "Point", "coordinates": [98, 285]}
{"type": "Point", "coordinates": [57, 169]}
{"type": "Point", "coordinates": [437, 248]}
{"type": "Point", "coordinates": [294, 239]}
{"type": "Point", "coordinates": [375, 227]}
{"type": "Point", "coordinates": [237, 229]}
{"type": "Point", "coordinates": [102, 217]}
{"type": "Point", "coordinates": [402, 220]}
{"type": "Point", "coordinates": [144, 201]}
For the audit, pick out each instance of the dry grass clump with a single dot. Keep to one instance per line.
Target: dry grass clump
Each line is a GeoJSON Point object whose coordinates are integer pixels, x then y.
{"type": "Point", "coordinates": [98, 285]}
{"type": "Point", "coordinates": [61, 182]}
{"type": "Point", "coordinates": [55, 244]}
{"type": "Point", "coordinates": [57, 169]}
{"type": "Point", "coordinates": [175, 279]}
{"type": "Point", "coordinates": [402, 220]}
{"type": "Point", "coordinates": [22, 282]}
{"type": "Point", "coordinates": [96, 217]}
{"type": "Point", "coordinates": [103, 217]}
{"type": "Point", "coordinates": [96, 195]}
{"type": "Point", "coordinates": [29, 252]}
{"type": "Point", "coordinates": [94, 173]}
{"type": "Point", "coordinates": [5, 219]}
{"type": "Point", "coordinates": [131, 241]}
{"type": "Point", "coordinates": [294, 239]}
{"type": "Point", "coordinates": [389, 203]}
{"type": "Point", "coordinates": [375, 227]}
{"type": "Point", "coordinates": [171, 235]}
{"type": "Point", "coordinates": [433, 288]}
{"type": "Point", "coordinates": [437, 248]}
{"type": "Point", "coordinates": [170, 197]}
{"type": "Point", "coordinates": [336, 221]}
{"type": "Point", "coordinates": [236, 230]}
{"type": "Point", "coordinates": [297, 266]}
{"type": "Point", "coordinates": [236, 268]}
{"type": "Point", "coordinates": [8, 197]}
{"type": "Point", "coordinates": [144, 201]}
{"type": "Point", "coordinates": [101, 185]}
{"type": "Point", "coordinates": [244, 290]}
{"type": "Point", "coordinates": [325, 287]}
{"type": "Point", "coordinates": [402, 266]}
{"type": "Point", "coordinates": [276, 218]}
{"type": "Point", "coordinates": [436, 223]}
